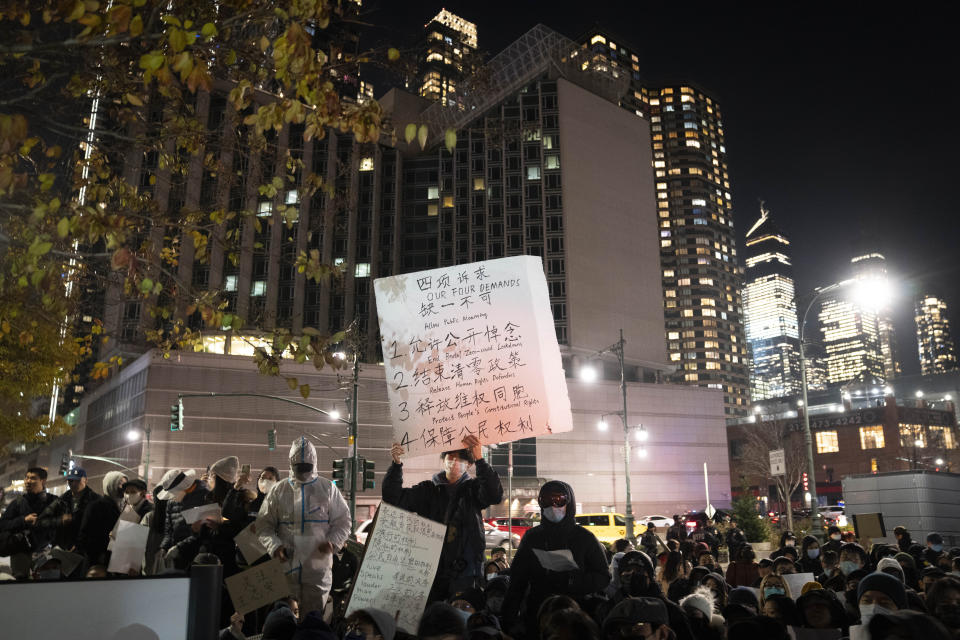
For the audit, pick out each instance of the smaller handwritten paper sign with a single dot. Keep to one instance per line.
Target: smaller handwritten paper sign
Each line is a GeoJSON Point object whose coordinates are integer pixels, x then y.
{"type": "Point", "coordinates": [249, 544]}
{"type": "Point", "coordinates": [471, 350]}
{"type": "Point", "coordinates": [399, 565]}
{"type": "Point", "coordinates": [258, 586]}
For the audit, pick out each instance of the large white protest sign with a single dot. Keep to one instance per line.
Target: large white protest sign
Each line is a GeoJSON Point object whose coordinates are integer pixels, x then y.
{"type": "Point", "coordinates": [471, 350]}
{"type": "Point", "coordinates": [399, 565]}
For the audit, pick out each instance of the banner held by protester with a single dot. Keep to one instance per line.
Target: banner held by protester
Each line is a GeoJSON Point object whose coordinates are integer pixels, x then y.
{"type": "Point", "coordinates": [471, 350]}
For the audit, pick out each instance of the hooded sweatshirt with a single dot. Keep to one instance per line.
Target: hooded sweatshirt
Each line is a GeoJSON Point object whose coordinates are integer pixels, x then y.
{"type": "Point", "coordinates": [591, 576]}
{"type": "Point", "coordinates": [808, 564]}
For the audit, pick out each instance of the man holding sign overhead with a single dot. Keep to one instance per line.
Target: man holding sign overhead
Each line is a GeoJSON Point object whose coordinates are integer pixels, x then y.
{"type": "Point", "coordinates": [302, 521]}
{"type": "Point", "coordinates": [453, 498]}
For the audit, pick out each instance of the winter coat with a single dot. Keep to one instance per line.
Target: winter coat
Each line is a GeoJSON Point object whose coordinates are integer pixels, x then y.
{"type": "Point", "coordinates": [649, 543]}
{"type": "Point", "coordinates": [742, 573]}
{"type": "Point", "coordinates": [99, 519]}
{"type": "Point", "coordinates": [526, 572]}
{"type": "Point", "coordinates": [13, 519]}
{"type": "Point", "coordinates": [459, 507]}
{"type": "Point", "coordinates": [296, 510]}
{"type": "Point", "coordinates": [66, 534]}
{"type": "Point", "coordinates": [175, 528]}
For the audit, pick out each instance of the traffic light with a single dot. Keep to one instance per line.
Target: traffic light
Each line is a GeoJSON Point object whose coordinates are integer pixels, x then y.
{"type": "Point", "coordinates": [340, 472]}
{"type": "Point", "coordinates": [64, 464]}
{"type": "Point", "coordinates": [367, 474]}
{"type": "Point", "coordinates": [272, 439]}
{"type": "Point", "coordinates": [176, 416]}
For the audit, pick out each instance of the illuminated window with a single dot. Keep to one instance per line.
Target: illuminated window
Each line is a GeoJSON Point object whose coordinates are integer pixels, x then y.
{"type": "Point", "coordinates": [698, 202]}
{"type": "Point", "coordinates": [693, 143]}
{"type": "Point", "coordinates": [362, 270]}
{"type": "Point", "coordinates": [598, 38]}
{"type": "Point", "coordinates": [478, 184]}
{"type": "Point", "coordinates": [873, 465]}
{"type": "Point", "coordinates": [433, 193]}
{"type": "Point", "coordinates": [366, 164]}
{"type": "Point", "coordinates": [265, 210]}
{"type": "Point", "coordinates": [230, 284]}
{"type": "Point", "coordinates": [871, 437]}
{"type": "Point", "coordinates": [552, 161]}
{"type": "Point", "coordinates": [675, 357]}
{"type": "Point", "coordinates": [827, 442]}
{"type": "Point", "coordinates": [941, 437]}
{"type": "Point", "coordinates": [259, 288]}
{"type": "Point", "coordinates": [447, 202]}
{"type": "Point", "coordinates": [673, 335]}
{"type": "Point", "coordinates": [911, 435]}
{"type": "Point", "coordinates": [293, 196]}
{"type": "Point", "coordinates": [549, 142]}
{"type": "Point", "coordinates": [533, 172]}
{"type": "Point", "coordinates": [432, 209]}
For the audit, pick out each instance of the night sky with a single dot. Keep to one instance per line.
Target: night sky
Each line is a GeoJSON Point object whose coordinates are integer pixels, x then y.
{"type": "Point", "coordinates": [845, 124]}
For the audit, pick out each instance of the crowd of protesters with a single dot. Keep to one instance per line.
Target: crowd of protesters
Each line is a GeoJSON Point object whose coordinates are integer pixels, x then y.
{"type": "Point", "coordinates": [561, 584]}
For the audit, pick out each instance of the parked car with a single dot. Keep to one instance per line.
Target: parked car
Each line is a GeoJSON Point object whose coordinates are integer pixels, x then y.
{"type": "Point", "coordinates": [497, 538]}
{"type": "Point", "coordinates": [607, 527]}
{"type": "Point", "coordinates": [519, 525]}
{"type": "Point", "coordinates": [693, 521]}
{"type": "Point", "coordinates": [658, 521]}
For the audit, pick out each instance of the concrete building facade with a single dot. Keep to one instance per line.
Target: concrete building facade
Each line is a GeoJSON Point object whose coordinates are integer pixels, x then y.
{"type": "Point", "coordinates": [685, 428]}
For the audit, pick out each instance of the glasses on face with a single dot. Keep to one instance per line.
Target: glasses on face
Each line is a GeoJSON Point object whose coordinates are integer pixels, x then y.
{"type": "Point", "coordinates": [553, 500]}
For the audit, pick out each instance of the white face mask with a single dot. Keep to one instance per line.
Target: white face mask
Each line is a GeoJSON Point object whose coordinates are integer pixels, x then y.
{"type": "Point", "coordinates": [455, 467]}
{"type": "Point", "coordinates": [867, 611]}
{"type": "Point", "coordinates": [265, 484]}
{"type": "Point", "coordinates": [133, 499]}
{"type": "Point", "coordinates": [554, 514]}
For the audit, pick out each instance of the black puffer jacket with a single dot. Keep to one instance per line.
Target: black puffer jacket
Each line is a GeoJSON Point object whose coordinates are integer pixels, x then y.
{"type": "Point", "coordinates": [526, 572]}
{"type": "Point", "coordinates": [459, 507]}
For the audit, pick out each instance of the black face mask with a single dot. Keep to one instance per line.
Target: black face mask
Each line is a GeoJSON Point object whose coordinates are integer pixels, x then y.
{"type": "Point", "coordinates": [949, 614]}
{"type": "Point", "coordinates": [303, 467]}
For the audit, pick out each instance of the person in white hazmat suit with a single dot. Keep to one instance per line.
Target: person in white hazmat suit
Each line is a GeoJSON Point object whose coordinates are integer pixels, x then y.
{"type": "Point", "coordinates": [303, 520]}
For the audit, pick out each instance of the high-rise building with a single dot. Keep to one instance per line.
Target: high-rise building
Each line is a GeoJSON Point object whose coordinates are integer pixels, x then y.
{"type": "Point", "coordinates": [873, 267]}
{"type": "Point", "coordinates": [515, 184]}
{"type": "Point", "coordinates": [934, 340]}
{"type": "Point", "coordinates": [770, 312]}
{"type": "Point", "coordinates": [446, 57]}
{"type": "Point", "coordinates": [858, 337]}
{"type": "Point", "coordinates": [701, 277]}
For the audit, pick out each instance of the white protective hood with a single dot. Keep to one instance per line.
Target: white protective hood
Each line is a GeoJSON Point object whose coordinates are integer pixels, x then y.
{"type": "Point", "coordinates": [302, 450]}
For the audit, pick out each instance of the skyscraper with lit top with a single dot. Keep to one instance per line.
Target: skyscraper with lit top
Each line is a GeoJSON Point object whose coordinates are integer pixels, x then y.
{"type": "Point", "coordinates": [934, 340]}
{"type": "Point", "coordinates": [702, 279]}
{"type": "Point", "coordinates": [770, 312]}
{"type": "Point", "coordinates": [858, 335]}
{"type": "Point", "coordinates": [446, 58]}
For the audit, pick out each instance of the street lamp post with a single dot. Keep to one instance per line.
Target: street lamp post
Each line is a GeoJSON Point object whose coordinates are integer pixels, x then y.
{"type": "Point", "coordinates": [617, 348]}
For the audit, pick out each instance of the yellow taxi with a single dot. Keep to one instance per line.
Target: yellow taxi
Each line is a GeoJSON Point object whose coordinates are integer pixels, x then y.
{"type": "Point", "coordinates": [607, 527]}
